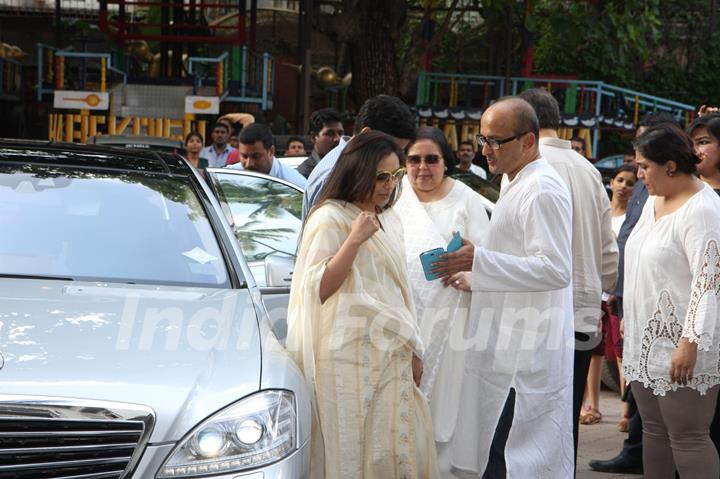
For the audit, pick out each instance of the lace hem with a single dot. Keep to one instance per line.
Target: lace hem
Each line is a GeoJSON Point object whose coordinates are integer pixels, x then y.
{"type": "Point", "coordinates": [660, 386]}
{"type": "Point", "coordinates": [706, 282]}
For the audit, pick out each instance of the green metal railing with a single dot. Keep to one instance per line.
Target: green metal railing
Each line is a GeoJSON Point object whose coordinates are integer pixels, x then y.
{"type": "Point", "coordinates": [581, 96]}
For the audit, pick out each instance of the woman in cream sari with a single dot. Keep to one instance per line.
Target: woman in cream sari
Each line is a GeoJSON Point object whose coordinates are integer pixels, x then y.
{"type": "Point", "coordinates": [352, 327]}
{"type": "Point", "coordinates": [433, 206]}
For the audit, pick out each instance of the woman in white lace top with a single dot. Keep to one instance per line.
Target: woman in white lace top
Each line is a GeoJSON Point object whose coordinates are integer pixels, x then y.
{"type": "Point", "coordinates": [672, 290]}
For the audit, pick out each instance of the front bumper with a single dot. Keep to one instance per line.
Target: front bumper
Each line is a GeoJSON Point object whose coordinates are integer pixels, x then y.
{"type": "Point", "coordinates": [295, 466]}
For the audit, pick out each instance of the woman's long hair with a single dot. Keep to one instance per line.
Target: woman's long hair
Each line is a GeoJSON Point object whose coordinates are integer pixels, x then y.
{"type": "Point", "coordinates": [353, 178]}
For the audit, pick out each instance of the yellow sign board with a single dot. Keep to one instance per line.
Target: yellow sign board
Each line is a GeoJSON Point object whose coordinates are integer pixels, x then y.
{"type": "Point", "coordinates": [73, 127]}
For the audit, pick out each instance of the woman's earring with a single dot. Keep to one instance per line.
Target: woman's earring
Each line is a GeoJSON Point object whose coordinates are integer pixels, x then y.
{"type": "Point", "coordinates": [671, 173]}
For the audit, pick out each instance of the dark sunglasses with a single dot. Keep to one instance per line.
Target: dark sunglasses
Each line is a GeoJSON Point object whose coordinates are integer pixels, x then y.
{"type": "Point", "coordinates": [415, 160]}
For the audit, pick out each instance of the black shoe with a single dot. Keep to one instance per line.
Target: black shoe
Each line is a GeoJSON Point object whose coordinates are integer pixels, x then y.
{"type": "Point", "coordinates": [618, 464]}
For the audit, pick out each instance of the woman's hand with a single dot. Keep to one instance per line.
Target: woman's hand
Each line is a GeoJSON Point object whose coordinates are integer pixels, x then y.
{"type": "Point", "coordinates": [682, 362]}
{"type": "Point", "coordinates": [612, 304]}
{"type": "Point", "coordinates": [339, 266]}
{"type": "Point", "coordinates": [417, 369]}
{"type": "Point", "coordinates": [364, 226]}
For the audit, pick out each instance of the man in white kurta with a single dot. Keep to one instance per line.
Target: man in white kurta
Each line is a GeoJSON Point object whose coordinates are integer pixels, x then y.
{"type": "Point", "coordinates": [521, 319]}
{"type": "Point", "coordinates": [594, 247]}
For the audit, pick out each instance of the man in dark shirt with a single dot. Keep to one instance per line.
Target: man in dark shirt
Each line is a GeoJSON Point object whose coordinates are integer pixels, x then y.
{"type": "Point", "coordinates": [326, 129]}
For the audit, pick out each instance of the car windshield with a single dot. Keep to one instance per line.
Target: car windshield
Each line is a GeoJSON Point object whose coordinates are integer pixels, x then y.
{"type": "Point", "coordinates": [105, 225]}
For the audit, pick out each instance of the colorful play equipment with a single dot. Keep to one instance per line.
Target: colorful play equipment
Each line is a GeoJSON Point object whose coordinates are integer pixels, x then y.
{"type": "Point", "coordinates": [146, 108]}
{"type": "Point", "coordinates": [588, 106]}
{"type": "Point", "coordinates": [89, 71]}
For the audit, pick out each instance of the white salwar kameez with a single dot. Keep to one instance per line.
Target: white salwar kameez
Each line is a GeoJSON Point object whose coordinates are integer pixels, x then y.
{"type": "Point", "coordinates": [442, 312]}
{"type": "Point", "coordinates": [672, 290]}
{"type": "Point", "coordinates": [521, 325]}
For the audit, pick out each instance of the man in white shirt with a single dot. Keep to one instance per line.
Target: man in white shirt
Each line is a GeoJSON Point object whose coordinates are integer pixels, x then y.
{"type": "Point", "coordinates": [465, 156]}
{"type": "Point", "coordinates": [217, 153]}
{"type": "Point", "coordinates": [517, 392]}
{"type": "Point", "coordinates": [594, 248]}
{"type": "Point", "coordinates": [256, 152]}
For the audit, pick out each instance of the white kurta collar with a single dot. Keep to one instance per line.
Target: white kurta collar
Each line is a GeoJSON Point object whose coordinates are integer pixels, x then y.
{"type": "Point", "coordinates": [556, 142]}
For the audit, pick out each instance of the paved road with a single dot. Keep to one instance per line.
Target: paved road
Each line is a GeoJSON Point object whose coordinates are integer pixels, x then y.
{"type": "Point", "coordinates": [602, 440]}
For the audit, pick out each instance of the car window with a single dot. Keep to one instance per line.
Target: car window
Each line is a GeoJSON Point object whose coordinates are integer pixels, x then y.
{"type": "Point", "coordinates": [108, 225]}
{"type": "Point", "coordinates": [265, 213]}
{"type": "Point", "coordinates": [610, 162]}
{"type": "Point", "coordinates": [484, 187]}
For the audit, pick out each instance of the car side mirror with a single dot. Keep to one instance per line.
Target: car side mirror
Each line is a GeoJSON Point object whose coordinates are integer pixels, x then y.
{"type": "Point", "coordinates": [278, 270]}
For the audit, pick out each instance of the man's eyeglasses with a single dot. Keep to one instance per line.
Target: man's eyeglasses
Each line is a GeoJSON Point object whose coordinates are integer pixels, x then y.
{"type": "Point", "coordinates": [415, 160]}
{"type": "Point", "coordinates": [495, 144]}
{"type": "Point", "coordinates": [395, 176]}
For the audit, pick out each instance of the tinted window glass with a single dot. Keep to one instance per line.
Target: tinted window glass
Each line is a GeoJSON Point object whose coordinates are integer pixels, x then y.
{"type": "Point", "coordinates": [105, 225]}
{"type": "Point", "coordinates": [265, 214]}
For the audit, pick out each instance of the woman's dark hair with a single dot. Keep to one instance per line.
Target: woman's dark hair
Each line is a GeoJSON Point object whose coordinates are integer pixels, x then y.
{"type": "Point", "coordinates": [194, 134]}
{"type": "Point", "coordinates": [667, 142]}
{"type": "Point", "coordinates": [710, 122]}
{"type": "Point", "coordinates": [436, 136]}
{"type": "Point", "coordinates": [626, 167]}
{"type": "Point", "coordinates": [353, 178]}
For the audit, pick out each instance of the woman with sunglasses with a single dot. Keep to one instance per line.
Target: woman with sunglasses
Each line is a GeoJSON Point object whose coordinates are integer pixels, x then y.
{"type": "Point", "coordinates": [352, 326]}
{"type": "Point", "coordinates": [433, 206]}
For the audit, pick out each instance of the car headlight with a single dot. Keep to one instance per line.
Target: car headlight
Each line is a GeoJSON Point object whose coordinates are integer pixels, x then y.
{"type": "Point", "coordinates": [258, 430]}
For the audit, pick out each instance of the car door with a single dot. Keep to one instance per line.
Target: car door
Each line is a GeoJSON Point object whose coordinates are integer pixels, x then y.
{"type": "Point", "coordinates": [265, 214]}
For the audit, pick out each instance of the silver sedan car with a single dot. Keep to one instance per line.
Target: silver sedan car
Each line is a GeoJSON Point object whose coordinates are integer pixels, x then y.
{"type": "Point", "coordinates": [134, 340]}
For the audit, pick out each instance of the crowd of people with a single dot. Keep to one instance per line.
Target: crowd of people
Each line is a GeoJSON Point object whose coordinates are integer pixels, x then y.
{"type": "Point", "coordinates": [483, 362]}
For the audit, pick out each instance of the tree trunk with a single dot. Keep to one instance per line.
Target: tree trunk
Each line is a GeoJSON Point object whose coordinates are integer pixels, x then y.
{"type": "Point", "coordinates": [372, 49]}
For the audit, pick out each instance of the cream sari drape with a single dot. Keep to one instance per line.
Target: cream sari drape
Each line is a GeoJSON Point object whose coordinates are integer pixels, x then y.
{"type": "Point", "coordinates": [356, 353]}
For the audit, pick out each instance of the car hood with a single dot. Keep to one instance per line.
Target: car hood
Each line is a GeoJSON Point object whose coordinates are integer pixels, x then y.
{"type": "Point", "coordinates": [184, 352]}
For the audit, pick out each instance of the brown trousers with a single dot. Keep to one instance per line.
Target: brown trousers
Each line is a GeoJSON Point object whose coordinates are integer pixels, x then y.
{"type": "Point", "coordinates": [676, 433]}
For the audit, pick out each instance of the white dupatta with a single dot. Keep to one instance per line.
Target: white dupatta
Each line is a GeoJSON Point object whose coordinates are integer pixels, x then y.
{"type": "Point", "coordinates": [441, 312]}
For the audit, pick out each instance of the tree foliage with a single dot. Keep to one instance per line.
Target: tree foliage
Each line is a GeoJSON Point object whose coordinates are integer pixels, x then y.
{"type": "Point", "coordinates": [663, 47]}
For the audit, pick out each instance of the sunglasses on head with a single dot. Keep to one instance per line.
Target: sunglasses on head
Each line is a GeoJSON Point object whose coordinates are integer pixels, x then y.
{"type": "Point", "coordinates": [415, 160]}
{"type": "Point", "coordinates": [395, 176]}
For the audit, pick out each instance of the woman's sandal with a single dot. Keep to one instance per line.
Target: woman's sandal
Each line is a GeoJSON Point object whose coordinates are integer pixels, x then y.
{"type": "Point", "coordinates": [590, 415]}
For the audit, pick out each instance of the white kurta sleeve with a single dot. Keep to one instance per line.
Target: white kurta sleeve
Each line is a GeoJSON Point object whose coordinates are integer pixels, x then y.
{"type": "Point", "coordinates": [700, 243]}
{"type": "Point", "coordinates": [547, 263]}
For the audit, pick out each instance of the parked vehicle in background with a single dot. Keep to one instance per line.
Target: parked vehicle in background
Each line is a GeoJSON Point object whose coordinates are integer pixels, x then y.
{"type": "Point", "coordinates": [133, 336]}
{"type": "Point", "coordinates": [292, 161]}
{"type": "Point", "coordinates": [607, 167]}
{"type": "Point", "coordinates": [140, 142]}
